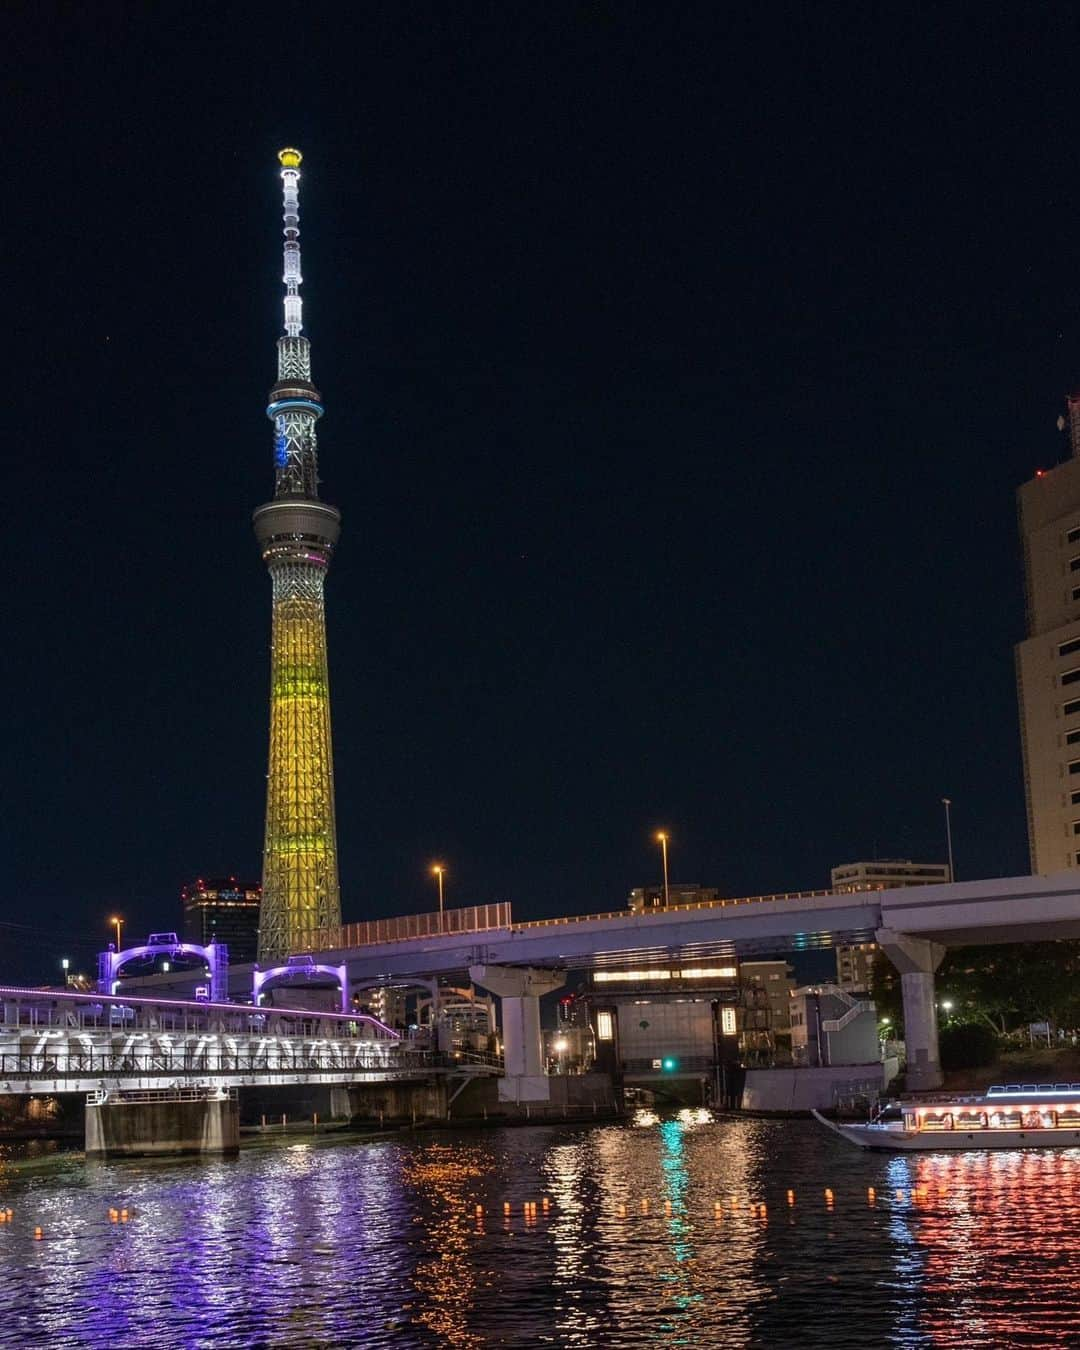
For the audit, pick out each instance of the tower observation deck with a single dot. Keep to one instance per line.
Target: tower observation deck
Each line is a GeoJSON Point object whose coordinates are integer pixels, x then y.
{"type": "Point", "coordinates": [297, 534]}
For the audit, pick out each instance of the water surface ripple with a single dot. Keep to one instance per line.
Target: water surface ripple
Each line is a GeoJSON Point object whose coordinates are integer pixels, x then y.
{"type": "Point", "coordinates": [679, 1231]}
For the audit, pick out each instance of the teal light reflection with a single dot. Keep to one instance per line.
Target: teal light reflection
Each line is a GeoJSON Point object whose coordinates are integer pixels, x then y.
{"type": "Point", "coordinates": [676, 1182]}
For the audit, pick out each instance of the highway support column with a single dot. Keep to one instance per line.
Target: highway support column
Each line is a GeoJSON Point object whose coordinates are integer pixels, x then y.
{"type": "Point", "coordinates": [520, 988]}
{"type": "Point", "coordinates": [917, 959]}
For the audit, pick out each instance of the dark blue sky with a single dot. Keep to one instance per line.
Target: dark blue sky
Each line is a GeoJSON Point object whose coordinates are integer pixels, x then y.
{"type": "Point", "coordinates": [681, 363]}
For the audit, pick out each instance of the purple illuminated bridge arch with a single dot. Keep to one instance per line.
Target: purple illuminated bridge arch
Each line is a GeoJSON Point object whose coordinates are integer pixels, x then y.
{"type": "Point", "coordinates": [215, 954]}
{"type": "Point", "coordinates": [299, 968]}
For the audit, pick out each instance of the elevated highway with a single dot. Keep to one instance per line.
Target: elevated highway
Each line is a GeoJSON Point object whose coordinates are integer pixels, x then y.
{"type": "Point", "coordinates": [971, 913]}
{"type": "Point", "coordinates": [914, 926]}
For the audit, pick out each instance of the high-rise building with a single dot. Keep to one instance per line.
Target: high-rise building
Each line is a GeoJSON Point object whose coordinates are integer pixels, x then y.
{"type": "Point", "coordinates": [1048, 660]}
{"type": "Point", "coordinates": [297, 534]}
{"type": "Point", "coordinates": [223, 909]}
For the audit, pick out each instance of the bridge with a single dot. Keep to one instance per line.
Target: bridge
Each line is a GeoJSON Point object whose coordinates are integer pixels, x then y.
{"type": "Point", "coordinates": [522, 961]}
{"type": "Point", "coordinates": [519, 961]}
{"type": "Point", "coordinates": [176, 1058]}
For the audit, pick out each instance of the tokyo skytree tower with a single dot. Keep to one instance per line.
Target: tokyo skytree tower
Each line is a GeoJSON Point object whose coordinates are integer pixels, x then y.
{"type": "Point", "coordinates": [297, 534]}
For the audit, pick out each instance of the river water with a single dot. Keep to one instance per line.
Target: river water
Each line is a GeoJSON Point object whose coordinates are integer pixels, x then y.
{"type": "Point", "coordinates": [653, 1235]}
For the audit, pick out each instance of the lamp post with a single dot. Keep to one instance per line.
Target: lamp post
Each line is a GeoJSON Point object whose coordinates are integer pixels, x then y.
{"type": "Point", "coordinates": [438, 871]}
{"type": "Point", "coordinates": [65, 966]}
{"type": "Point", "coordinates": [947, 804]}
{"type": "Point", "coordinates": [117, 923]}
{"type": "Point", "coordinates": [662, 840]}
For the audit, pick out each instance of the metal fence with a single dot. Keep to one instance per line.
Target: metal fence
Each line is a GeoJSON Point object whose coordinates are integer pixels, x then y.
{"type": "Point", "coordinates": [220, 1060]}
{"type": "Point", "coordinates": [406, 927]}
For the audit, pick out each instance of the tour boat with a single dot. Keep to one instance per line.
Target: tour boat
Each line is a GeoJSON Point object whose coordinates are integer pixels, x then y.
{"type": "Point", "coordinates": [1028, 1115]}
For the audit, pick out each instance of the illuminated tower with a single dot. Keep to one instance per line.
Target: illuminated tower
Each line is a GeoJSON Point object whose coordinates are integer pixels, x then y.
{"type": "Point", "coordinates": [297, 534]}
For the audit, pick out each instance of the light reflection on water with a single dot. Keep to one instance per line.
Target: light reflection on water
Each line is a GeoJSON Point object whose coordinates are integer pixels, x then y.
{"type": "Point", "coordinates": [381, 1244]}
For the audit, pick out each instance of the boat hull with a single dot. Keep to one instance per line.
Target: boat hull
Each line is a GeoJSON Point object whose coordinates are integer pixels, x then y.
{"type": "Point", "coordinates": [883, 1139]}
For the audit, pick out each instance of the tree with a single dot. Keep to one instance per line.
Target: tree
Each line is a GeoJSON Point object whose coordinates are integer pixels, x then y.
{"type": "Point", "coordinates": [885, 991]}
{"type": "Point", "coordinates": [968, 1045]}
{"type": "Point", "coordinates": [1003, 988]}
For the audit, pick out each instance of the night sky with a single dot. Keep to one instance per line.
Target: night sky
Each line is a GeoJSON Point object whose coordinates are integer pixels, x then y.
{"type": "Point", "coordinates": [680, 362]}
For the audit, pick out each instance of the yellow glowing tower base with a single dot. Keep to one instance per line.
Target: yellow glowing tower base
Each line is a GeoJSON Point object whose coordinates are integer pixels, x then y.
{"type": "Point", "coordinates": [297, 533]}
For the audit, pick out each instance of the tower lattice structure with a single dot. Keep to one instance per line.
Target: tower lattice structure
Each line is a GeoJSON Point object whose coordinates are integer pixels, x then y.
{"type": "Point", "coordinates": [297, 534]}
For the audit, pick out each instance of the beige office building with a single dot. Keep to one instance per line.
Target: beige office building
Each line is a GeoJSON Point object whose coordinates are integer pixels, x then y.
{"type": "Point", "coordinates": [1048, 660]}
{"type": "Point", "coordinates": [887, 874]}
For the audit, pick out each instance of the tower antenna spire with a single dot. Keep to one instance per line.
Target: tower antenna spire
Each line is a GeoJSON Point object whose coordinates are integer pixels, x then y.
{"type": "Point", "coordinates": [290, 191]}
{"type": "Point", "coordinates": [297, 534]}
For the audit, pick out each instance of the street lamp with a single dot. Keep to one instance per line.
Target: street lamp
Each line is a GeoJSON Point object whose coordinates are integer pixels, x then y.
{"type": "Point", "coordinates": [438, 871]}
{"type": "Point", "coordinates": [117, 923]}
{"type": "Point", "coordinates": [662, 840]}
{"type": "Point", "coordinates": [947, 804]}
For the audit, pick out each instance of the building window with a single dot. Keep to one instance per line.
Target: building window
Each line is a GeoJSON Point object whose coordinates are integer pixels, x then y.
{"type": "Point", "coordinates": [605, 1026]}
{"type": "Point", "coordinates": [1073, 535]}
{"type": "Point", "coordinates": [1069, 708]}
{"type": "Point", "coordinates": [1074, 564]}
{"type": "Point", "coordinates": [1072, 737]}
{"type": "Point", "coordinates": [1076, 593]}
{"type": "Point", "coordinates": [1074, 766]}
{"type": "Point", "coordinates": [1076, 827]}
{"type": "Point", "coordinates": [1067, 648]}
{"type": "Point", "coordinates": [1075, 799]}
{"type": "Point", "coordinates": [1071, 676]}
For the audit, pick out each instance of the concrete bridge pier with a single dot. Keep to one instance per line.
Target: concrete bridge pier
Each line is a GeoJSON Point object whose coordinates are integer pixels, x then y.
{"type": "Point", "coordinates": [138, 1124]}
{"type": "Point", "coordinates": [520, 988]}
{"type": "Point", "coordinates": [917, 959]}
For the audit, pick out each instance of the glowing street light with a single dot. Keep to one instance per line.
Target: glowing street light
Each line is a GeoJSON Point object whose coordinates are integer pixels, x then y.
{"type": "Point", "coordinates": [438, 871]}
{"type": "Point", "coordinates": [662, 840]}
{"type": "Point", "coordinates": [117, 923]}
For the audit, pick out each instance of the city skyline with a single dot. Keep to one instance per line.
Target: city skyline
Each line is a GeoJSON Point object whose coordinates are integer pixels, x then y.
{"type": "Point", "coordinates": [669, 506]}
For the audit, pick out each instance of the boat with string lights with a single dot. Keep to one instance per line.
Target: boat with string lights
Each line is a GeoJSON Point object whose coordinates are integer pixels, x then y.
{"type": "Point", "coordinates": [1016, 1115]}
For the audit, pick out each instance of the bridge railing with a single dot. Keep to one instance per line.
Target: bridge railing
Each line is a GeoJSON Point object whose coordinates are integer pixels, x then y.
{"type": "Point", "coordinates": [203, 1063]}
{"type": "Point", "coordinates": [661, 910]}
{"type": "Point", "coordinates": [47, 1008]}
{"type": "Point", "coordinates": [408, 927]}
{"type": "Point", "coordinates": [207, 1061]}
